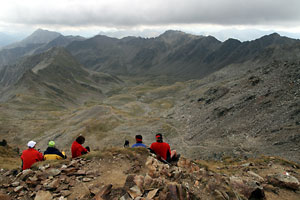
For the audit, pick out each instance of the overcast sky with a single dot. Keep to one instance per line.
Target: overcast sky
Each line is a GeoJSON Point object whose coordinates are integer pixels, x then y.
{"type": "Point", "coordinates": [89, 17]}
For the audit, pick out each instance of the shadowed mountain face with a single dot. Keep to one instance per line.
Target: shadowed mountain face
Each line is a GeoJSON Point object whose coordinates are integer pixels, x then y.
{"type": "Point", "coordinates": [40, 36]}
{"type": "Point", "coordinates": [52, 74]}
{"type": "Point", "coordinates": [242, 101]}
{"type": "Point", "coordinates": [174, 53]}
{"type": "Point", "coordinates": [37, 42]}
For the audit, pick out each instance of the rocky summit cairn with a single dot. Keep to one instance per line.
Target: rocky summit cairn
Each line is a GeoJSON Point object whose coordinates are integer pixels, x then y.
{"type": "Point", "coordinates": [127, 174]}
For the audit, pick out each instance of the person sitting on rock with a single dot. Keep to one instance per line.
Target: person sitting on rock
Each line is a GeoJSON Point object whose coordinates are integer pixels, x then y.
{"type": "Point", "coordinates": [163, 150]}
{"type": "Point", "coordinates": [77, 149]}
{"type": "Point", "coordinates": [53, 153]}
{"type": "Point", "coordinates": [139, 142]}
{"type": "Point", "coordinates": [126, 144]}
{"type": "Point", "coordinates": [30, 155]}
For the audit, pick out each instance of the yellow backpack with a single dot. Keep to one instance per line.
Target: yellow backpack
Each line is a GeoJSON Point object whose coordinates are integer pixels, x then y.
{"type": "Point", "coordinates": [53, 156]}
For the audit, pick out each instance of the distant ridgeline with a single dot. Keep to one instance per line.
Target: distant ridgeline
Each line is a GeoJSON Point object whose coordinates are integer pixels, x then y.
{"type": "Point", "coordinates": [173, 53]}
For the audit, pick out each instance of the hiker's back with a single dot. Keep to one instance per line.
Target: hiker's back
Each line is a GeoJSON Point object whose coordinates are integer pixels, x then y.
{"type": "Point", "coordinates": [54, 154]}
{"type": "Point", "coordinates": [161, 149]}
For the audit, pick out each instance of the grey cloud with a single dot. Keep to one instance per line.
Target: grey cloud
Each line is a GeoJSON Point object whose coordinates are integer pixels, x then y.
{"type": "Point", "coordinates": [156, 12]}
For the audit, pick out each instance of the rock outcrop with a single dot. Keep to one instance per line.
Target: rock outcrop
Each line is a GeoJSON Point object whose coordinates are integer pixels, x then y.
{"type": "Point", "coordinates": [128, 174]}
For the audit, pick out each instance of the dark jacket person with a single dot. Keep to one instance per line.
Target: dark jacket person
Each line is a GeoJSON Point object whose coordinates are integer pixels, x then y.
{"type": "Point", "coordinates": [53, 153]}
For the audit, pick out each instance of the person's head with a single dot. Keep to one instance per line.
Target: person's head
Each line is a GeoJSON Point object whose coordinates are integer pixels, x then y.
{"type": "Point", "coordinates": [139, 139]}
{"type": "Point", "coordinates": [31, 144]}
{"type": "Point", "coordinates": [80, 139]}
{"type": "Point", "coordinates": [159, 137]}
{"type": "Point", "coordinates": [51, 144]}
{"type": "Point", "coordinates": [126, 144]}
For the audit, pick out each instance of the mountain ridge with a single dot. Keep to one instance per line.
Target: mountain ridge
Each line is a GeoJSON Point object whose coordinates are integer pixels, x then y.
{"type": "Point", "coordinates": [185, 57]}
{"type": "Point", "coordinates": [38, 42]}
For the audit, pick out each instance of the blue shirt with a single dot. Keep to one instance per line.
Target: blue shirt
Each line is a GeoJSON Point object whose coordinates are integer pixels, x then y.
{"type": "Point", "coordinates": [139, 145]}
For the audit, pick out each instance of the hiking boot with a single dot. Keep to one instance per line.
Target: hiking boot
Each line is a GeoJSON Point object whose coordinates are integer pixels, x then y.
{"type": "Point", "coordinates": [176, 158]}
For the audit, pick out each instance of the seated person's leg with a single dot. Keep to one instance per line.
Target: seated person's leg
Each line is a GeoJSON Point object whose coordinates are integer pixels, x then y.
{"type": "Point", "coordinates": [173, 154]}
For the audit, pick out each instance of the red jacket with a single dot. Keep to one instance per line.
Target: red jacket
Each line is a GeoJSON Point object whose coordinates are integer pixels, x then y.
{"type": "Point", "coordinates": [77, 149]}
{"type": "Point", "coordinates": [30, 156]}
{"type": "Point", "coordinates": [161, 149]}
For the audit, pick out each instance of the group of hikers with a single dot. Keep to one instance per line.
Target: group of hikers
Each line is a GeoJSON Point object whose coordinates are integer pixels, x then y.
{"type": "Point", "coordinates": [31, 155]}
{"type": "Point", "coordinates": [160, 148]}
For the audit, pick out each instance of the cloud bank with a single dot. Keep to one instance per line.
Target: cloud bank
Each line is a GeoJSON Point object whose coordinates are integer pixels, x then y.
{"type": "Point", "coordinates": [132, 13]}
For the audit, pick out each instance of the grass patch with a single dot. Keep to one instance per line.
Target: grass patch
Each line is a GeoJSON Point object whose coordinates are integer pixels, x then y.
{"type": "Point", "coordinates": [90, 103]}
{"type": "Point", "coordinates": [10, 163]}
{"type": "Point", "coordinates": [165, 91]}
{"type": "Point", "coordinates": [113, 151]}
{"type": "Point", "coordinates": [263, 160]}
{"type": "Point", "coordinates": [102, 125]}
{"type": "Point", "coordinates": [7, 152]}
{"type": "Point", "coordinates": [121, 98]}
{"type": "Point", "coordinates": [141, 90]}
{"type": "Point", "coordinates": [9, 159]}
{"type": "Point", "coordinates": [163, 104]}
{"type": "Point", "coordinates": [168, 130]}
{"type": "Point", "coordinates": [134, 109]}
{"type": "Point", "coordinates": [51, 163]}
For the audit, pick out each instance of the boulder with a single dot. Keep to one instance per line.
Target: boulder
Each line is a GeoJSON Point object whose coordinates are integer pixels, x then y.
{"type": "Point", "coordinates": [53, 172]}
{"type": "Point", "coordinates": [18, 189]}
{"type": "Point", "coordinates": [152, 194]}
{"type": "Point", "coordinates": [81, 173]}
{"type": "Point", "coordinates": [87, 179]}
{"type": "Point", "coordinates": [65, 193]}
{"type": "Point", "coordinates": [172, 191]}
{"type": "Point", "coordinates": [53, 185]}
{"type": "Point", "coordinates": [129, 182]}
{"type": "Point", "coordinates": [126, 197]}
{"type": "Point", "coordinates": [284, 180]}
{"type": "Point", "coordinates": [256, 176]}
{"type": "Point", "coordinates": [103, 192]}
{"type": "Point", "coordinates": [135, 192]}
{"type": "Point", "coordinates": [69, 171]}
{"type": "Point", "coordinates": [15, 184]}
{"type": "Point", "coordinates": [5, 197]}
{"type": "Point", "coordinates": [43, 195]}
{"type": "Point", "coordinates": [147, 182]}
{"type": "Point", "coordinates": [139, 181]}
{"type": "Point", "coordinates": [247, 188]}
{"type": "Point", "coordinates": [25, 174]}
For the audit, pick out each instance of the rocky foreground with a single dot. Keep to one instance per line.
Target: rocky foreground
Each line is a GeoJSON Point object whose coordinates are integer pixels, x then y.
{"type": "Point", "coordinates": [127, 174]}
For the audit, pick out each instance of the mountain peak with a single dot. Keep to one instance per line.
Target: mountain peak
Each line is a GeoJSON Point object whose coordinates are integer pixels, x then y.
{"type": "Point", "coordinates": [274, 35]}
{"type": "Point", "coordinates": [172, 34]}
{"type": "Point", "coordinates": [41, 36]}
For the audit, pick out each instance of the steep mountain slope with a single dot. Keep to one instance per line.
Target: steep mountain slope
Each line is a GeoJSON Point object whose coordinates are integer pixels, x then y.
{"type": "Point", "coordinates": [243, 110]}
{"type": "Point", "coordinates": [55, 70]}
{"type": "Point", "coordinates": [41, 89]}
{"type": "Point", "coordinates": [38, 42]}
{"type": "Point", "coordinates": [39, 36]}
